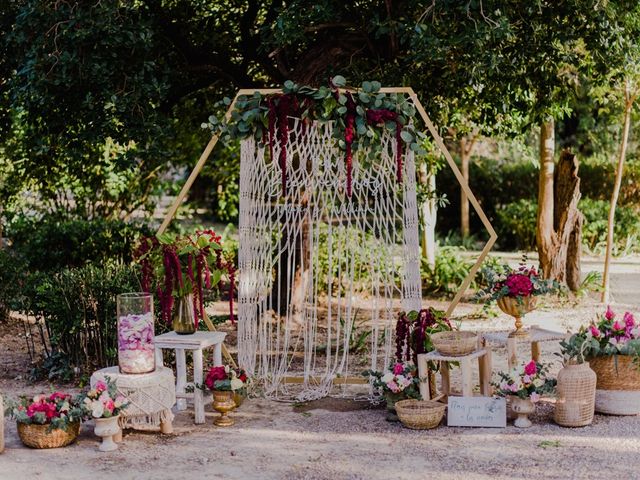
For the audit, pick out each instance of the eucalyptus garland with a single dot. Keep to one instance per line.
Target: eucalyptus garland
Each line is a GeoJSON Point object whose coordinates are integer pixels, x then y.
{"type": "Point", "coordinates": [360, 116]}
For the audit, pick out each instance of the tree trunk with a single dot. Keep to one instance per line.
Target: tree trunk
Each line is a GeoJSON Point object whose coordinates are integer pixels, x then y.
{"type": "Point", "coordinates": [428, 212]}
{"type": "Point", "coordinates": [559, 221]}
{"type": "Point", "coordinates": [465, 153]}
{"type": "Point", "coordinates": [606, 289]}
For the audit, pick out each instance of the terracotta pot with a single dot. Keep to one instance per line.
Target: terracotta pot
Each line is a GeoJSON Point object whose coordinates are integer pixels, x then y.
{"type": "Point", "coordinates": [576, 395]}
{"type": "Point", "coordinates": [617, 386]}
{"type": "Point", "coordinates": [522, 407]}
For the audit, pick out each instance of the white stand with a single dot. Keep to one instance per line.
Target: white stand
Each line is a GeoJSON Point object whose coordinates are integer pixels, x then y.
{"type": "Point", "coordinates": [484, 364]}
{"type": "Point", "coordinates": [196, 342]}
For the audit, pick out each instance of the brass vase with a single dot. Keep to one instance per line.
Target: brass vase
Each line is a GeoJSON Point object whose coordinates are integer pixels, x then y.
{"type": "Point", "coordinates": [511, 306]}
{"type": "Point", "coordinates": [183, 321]}
{"type": "Point", "coordinates": [223, 402]}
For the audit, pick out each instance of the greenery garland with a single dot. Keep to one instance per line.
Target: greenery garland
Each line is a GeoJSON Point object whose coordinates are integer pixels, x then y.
{"type": "Point", "coordinates": [360, 116]}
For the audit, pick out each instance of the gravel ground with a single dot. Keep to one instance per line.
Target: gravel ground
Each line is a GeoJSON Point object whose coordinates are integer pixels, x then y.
{"type": "Point", "coordinates": [338, 438]}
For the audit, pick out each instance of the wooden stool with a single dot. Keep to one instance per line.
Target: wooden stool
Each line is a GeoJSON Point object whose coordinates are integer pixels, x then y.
{"type": "Point", "coordinates": [196, 342]}
{"type": "Point", "coordinates": [535, 336]}
{"type": "Point", "coordinates": [484, 365]}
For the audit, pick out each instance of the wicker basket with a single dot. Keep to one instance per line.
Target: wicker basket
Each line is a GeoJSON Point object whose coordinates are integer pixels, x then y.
{"type": "Point", "coordinates": [36, 436]}
{"type": "Point", "coordinates": [455, 344]}
{"type": "Point", "coordinates": [623, 376]}
{"type": "Point", "coordinates": [576, 396]}
{"type": "Point", "coordinates": [618, 385]}
{"type": "Point", "coordinates": [419, 414]}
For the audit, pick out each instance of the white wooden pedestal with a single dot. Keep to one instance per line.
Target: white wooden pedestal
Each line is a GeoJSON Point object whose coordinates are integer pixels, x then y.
{"type": "Point", "coordinates": [196, 342]}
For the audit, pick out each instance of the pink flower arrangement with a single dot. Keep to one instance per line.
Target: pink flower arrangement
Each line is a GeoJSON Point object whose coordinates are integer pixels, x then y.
{"type": "Point", "coordinates": [225, 378]}
{"type": "Point", "coordinates": [400, 379]}
{"type": "Point", "coordinates": [57, 410]}
{"type": "Point", "coordinates": [528, 381]}
{"type": "Point", "coordinates": [519, 283]}
{"type": "Point", "coordinates": [103, 401]}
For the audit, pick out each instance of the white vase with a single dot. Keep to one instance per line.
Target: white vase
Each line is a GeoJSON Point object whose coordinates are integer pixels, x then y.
{"type": "Point", "coordinates": [107, 428]}
{"type": "Point", "coordinates": [522, 407]}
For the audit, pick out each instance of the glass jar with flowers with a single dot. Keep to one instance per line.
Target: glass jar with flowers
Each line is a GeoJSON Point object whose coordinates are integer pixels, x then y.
{"type": "Point", "coordinates": [180, 268]}
{"type": "Point", "coordinates": [515, 290]}
{"type": "Point", "coordinates": [104, 404]}
{"type": "Point", "coordinates": [612, 347]}
{"type": "Point", "coordinates": [136, 351]}
{"type": "Point", "coordinates": [400, 382]}
{"type": "Point", "coordinates": [524, 386]}
{"type": "Point", "coordinates": [47, 421]}
{"type": "Point", "coordinates": [225, 383]}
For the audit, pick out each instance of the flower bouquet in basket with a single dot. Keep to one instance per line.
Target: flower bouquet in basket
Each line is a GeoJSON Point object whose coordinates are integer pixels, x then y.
{"type": "Point", "coordinates": [612, 347]}
{"type": "Point", "coordinates": [515, 290]}
{"type": "Point", "coordinates": [47, 421]}
{"type": "Point", "coordinates": [228, 386]}
{"type": "Point", "coordinates": [181, 267]}
{"type": "Point", "coordinates": [104, 404]}
{"type": "Point", "coordinates": [399, 383]}
{"type": "Point", "coordinates": [524, 386]}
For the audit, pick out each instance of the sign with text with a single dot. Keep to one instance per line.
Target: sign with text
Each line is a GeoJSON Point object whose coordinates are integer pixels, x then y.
{"type": "Point", "coordinates": [477, 412]}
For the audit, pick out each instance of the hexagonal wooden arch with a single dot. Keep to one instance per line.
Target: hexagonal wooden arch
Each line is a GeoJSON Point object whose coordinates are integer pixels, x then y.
{"type": "Point", "coordinates": [434, 133]}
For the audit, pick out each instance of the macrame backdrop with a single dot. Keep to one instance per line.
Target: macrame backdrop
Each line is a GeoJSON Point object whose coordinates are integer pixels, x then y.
{"type": "Point", "coordinates": [315, 236]}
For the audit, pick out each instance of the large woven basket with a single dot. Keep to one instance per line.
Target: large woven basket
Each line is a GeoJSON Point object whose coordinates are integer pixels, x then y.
{"type": "Point", "coordinates": [576, 396]}
{"type": "Point", "coordinates": [616, 373]}
{"type": "Point", "coordinates": [455, 344]}
{"type": "Point", "coordinates": [420, 414]}
{"type": "Point", "coordinates": [37, 436]}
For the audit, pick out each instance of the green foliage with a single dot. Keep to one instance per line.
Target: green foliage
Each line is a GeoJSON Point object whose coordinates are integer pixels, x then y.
{"type": "Point", "coordinates": [447, 274]}
{"type": "Point", "coordinates": [79, 307]}
{"type": "Point", "coordinates": [12, 270]}
{"type": "Point", "coordinates": [517, 222]}
{"type": "Point", "coordinates": [50, 243]}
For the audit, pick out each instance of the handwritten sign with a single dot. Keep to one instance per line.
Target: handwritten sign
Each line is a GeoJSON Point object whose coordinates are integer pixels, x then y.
{"type": "Point", "coordinates": [477, 412]}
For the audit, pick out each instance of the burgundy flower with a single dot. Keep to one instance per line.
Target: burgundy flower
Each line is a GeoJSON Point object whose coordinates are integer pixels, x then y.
{"type": "Point", "coordinates": [519, 285]}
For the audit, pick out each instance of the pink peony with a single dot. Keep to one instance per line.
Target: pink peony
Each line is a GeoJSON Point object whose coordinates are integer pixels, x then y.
{"type": "Point", "coordinates": [109, 405]}
{"type": "Point", "coordinates": [531, 368]}
{"type": "Point", "coordinates": [101, 386]}
{"type": "Point", "coordinates": [393, 387]}
{"type": "Point", "coordinates": [534, 397]}
{"type": "Point", "coordinates": [609, 313]}
{"type": "Point", "coordinates": [519, 285]}
{"type": "Point", "coordinates": [526, 379]}
{"type": "Point", "coordinates": [398, 368]}
{"type": "Point", "coordinates": [594, 331]}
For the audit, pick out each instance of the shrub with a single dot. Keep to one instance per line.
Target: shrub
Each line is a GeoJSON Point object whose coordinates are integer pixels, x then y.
{"type": "Point", "coordinates": [12, 270]}
{"type": "Point", "coordinates": [517, 226]}
{"type": "Point", "coordinates": [79, 307]}
{"type": "Point", "coordinates": [51, 243]}
{"type": "Point", "coordinates": [447, 274]}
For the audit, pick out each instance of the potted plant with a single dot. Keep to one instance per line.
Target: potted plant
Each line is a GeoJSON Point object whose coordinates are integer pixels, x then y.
{"type": "Point", "coordinates": [612, 347]}
{"type": "Point", "coordinates": [47, 421]}
{"type": "Point", "coordinates": [399, 383]}
{"type": "Point", "coordinates": [524, 386]}
{"type": "Point", "coordinates": [576, 388]}
{"type": "Point", "coordinates": [181, 267]}
{"type": "Point", "coordinates": [104, 404]}
{"type": "Point", "coordinates": [225, 382]}
{"type": "Point", "coordinates": [515, 291]}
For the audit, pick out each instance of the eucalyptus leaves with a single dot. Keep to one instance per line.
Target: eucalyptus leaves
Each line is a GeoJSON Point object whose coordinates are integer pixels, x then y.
{"type": "Point", "coordinates": [360, 116]}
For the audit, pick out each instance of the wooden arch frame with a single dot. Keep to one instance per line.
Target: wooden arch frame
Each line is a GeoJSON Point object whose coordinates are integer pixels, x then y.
{"type": "Point", "coordinates": [439, 143]}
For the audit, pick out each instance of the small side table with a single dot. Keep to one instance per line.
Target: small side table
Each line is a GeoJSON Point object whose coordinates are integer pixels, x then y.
{"type": "Point", "coordinates": [150, 395]}
{"type": "Point", "coordinates": [196, 342]}
{"type": "Point", "coordinates": [535, 337]}
{"type": "Point", "coordinates": [484, 365]}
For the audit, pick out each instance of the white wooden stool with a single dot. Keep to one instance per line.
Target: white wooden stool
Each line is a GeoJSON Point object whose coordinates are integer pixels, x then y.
{"type": "Point", "coordinates": [484, 366]}
{"type": "Point", "coordinates": [196, 342]}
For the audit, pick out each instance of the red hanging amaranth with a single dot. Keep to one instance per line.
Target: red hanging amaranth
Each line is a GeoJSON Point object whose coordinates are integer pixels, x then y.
{"type": "Point", "coordinates": [378, 116]}
{"type": "Point", "coordinates": [349, 135]}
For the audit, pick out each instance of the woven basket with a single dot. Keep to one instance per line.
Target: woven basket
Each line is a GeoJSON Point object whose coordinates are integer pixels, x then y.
{"type": "Point", "coordinates": [36, 436]}
{"type": "Point", "coordinates": [576, 396]}
{"type": "Point", "coordinates": [624, 376]}
{"type": "Point", "coordinates": [455, 344]}
{"type": "Point", "coordinates": [419, 414]}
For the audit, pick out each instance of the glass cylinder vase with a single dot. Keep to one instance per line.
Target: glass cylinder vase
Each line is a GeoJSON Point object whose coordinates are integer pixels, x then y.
{"type": "Point", "coordinates": [136, 350]}
{"type": "Point", "coordinates": [183, 321]}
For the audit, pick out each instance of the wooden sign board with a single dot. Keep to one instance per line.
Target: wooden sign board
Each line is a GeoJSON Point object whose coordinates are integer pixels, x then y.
{"type": "Point", "coordinates": [477, 412]}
